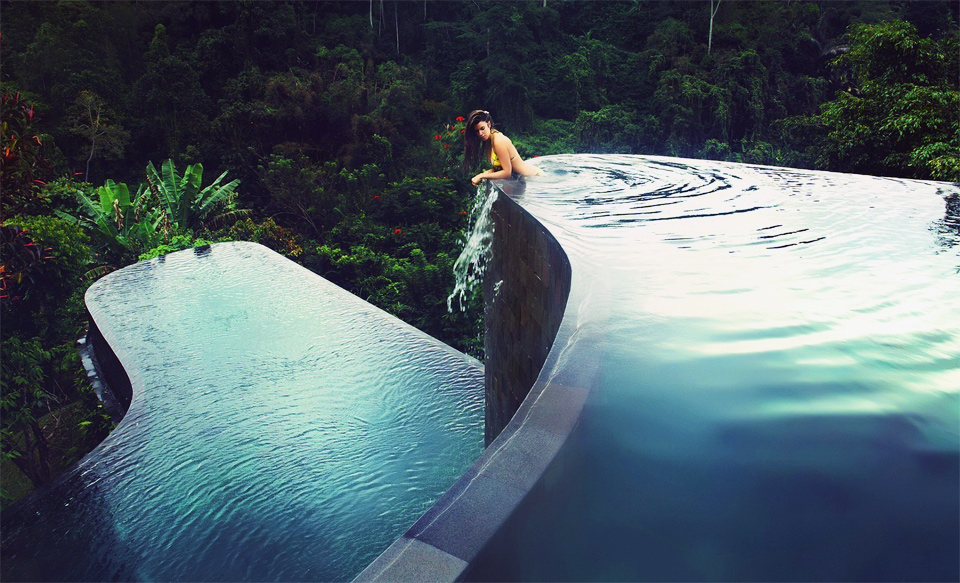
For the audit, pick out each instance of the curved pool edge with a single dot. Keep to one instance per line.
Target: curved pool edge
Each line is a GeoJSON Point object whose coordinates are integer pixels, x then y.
{"type": "Point", "coordinates": [104, 372]}
{"type": "Point", "coordinates": [529, 415]}
{"type": "Point", "coordinates": [528, 418]}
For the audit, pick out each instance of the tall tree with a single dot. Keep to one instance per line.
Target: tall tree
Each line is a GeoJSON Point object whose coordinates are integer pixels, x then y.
{"type": "Point", "coordinates": [714, 7]}
{"type": "Point", "coordinates": [91, 119]}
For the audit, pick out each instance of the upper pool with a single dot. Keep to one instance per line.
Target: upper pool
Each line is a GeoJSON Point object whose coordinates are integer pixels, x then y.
{"type": "Point", "coordinates": [777, 393]}
{"type": "Point", "coordinates": [280, 429]}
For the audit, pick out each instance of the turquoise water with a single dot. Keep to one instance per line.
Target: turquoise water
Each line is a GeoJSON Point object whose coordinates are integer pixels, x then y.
{"type": "Point", "coordinates": [779, 387]}
{"type": "Point", "coordinates": [778, 398]}
{"type": "Point", "coordinates": [280, 429]}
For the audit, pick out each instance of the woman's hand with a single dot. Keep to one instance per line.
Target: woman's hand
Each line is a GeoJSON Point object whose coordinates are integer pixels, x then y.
{"type": "Point", "coordinates": [476, 179]}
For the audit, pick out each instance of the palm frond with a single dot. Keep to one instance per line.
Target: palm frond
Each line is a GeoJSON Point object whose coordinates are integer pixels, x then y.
{"type": "Point", "coordinates": [88, 206]}
{"type": "Point", "coordinates": [190, 183]}
{"type": "Point", "coordinates": [171, 191]}
{"type": "Point", "coordinates": [69, 218]}
{"type": "Point", "coordinates": [214, 195]}
{"type": "Point", "coordinates": [97, 272]}
{"type": "Point", "coordinates": [226, 219]}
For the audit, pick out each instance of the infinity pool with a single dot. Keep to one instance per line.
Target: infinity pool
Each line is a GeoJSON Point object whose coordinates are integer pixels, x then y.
{"type": "Point", "coordinates": [778, 393]}
{"type": "Point", "coordinates": [777, 397]}
{"type": "Point", "coordinates": [280, 429]}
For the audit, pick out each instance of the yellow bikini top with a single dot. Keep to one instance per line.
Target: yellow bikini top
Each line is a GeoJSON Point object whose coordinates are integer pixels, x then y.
{"type": "Point", "coordinates": [495, 160]}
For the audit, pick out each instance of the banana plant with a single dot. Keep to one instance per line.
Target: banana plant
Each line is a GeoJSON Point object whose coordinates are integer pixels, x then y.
{"type": "Point", "coordinates": [123, 222]}
{"type": "Point", "coordinates": [188, 206]}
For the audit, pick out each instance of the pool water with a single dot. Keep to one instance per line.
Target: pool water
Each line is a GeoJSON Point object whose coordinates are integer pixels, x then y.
{"type": "Point", "coordinates": [280, 429]}
{"type": "Point", "coordinates": [779, 393]}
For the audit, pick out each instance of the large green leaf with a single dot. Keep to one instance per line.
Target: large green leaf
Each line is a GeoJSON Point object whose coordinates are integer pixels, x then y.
{"type": "Point", "coordinates": [112, 193]}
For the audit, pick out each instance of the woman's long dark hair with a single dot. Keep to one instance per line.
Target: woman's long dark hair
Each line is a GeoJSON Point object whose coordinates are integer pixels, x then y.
{"type": "Point", "coordinates": [473, 146]}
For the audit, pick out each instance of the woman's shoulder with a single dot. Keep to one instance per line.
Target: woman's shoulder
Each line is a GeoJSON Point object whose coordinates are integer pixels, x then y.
{"type": "Point", "coordinates": [501, 138]}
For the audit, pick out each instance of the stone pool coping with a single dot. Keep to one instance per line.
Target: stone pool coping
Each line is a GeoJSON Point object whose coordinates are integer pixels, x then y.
{"type": "Point", "coordinates": [445, 542]}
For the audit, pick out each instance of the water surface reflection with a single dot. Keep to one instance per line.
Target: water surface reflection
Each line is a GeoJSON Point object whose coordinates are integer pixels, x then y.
{"type": "Point", "coordinates": [780, 393]}
{"type": "Point", "coordinates": [280, 429]}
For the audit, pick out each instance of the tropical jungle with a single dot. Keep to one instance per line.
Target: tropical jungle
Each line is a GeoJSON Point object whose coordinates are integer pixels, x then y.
{"type": "Point", "coordinates": [331, 132]}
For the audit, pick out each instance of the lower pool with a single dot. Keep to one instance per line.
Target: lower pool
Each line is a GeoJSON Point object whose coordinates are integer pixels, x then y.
{"type": "Point", "coordinates": [280, 429]}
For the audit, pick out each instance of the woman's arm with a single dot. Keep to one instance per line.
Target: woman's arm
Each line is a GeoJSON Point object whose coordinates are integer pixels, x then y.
{"type": "Point", "coordinates": [501, 147]}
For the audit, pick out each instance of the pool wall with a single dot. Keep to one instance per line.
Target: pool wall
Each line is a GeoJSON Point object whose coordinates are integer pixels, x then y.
{"type": "Point", "coordinates": [528, 417]}
{"type": "Point", "coordinates": [107, 375]}
{"type": "Point", "coordinates": [525, 292]}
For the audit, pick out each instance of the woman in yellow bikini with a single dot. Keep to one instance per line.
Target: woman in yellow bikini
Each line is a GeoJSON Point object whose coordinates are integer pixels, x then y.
{"type": "Point", "coordinates": [481, 139]}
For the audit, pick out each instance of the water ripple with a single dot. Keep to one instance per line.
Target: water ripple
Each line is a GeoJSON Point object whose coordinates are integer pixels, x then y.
{"type": "Point", "coordinates": [281, 429]}
{"type": "Point", "coordinates": [780, 372]}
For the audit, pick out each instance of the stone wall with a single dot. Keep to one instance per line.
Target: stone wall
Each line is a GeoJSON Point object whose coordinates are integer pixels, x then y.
{"type": "Point", "coordinates": [525, 292]}
{"type": "Point", "coordinates": [106, 374]}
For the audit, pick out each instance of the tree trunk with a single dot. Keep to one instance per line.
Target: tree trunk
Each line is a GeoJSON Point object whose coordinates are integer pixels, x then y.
{"type": "Point", "coordinates": [86, 173]}
{"type": "Point", "coordinates": [713, 13]}
{"type": "Point", "coordinates": [35, 461]}
{"type": "Point", "coordinates": [43, 452]}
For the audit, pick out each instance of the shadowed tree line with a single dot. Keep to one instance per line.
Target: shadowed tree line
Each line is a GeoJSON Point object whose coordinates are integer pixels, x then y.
{"type": "Point", "coordinates": [330, 132]}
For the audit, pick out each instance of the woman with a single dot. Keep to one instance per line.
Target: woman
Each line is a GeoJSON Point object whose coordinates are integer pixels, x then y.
{"type": "Point", "coordinates": [481, 139]}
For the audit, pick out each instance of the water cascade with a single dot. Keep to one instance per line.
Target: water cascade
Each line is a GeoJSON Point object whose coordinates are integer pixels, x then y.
{"type": "Point", "coordinates": [470, 266]}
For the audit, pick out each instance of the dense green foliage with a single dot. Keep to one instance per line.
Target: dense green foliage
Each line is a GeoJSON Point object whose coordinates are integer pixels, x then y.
{"type": "Point", "coordinates": [334, 130]}
{"type": "Point", "coordinates": [45, 396]}
{"type": "Point", "coordinates": [903, 118]}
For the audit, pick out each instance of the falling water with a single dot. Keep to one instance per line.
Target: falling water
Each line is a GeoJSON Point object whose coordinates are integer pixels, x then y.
{"type": "Point", "coordinates": [472, 263]}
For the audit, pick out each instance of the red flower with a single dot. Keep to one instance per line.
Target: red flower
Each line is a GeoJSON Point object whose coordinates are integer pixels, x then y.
{"type": "Point", "coordinates": [445, 146]}
{"type": "Point", "coordinates": [460, 118]}
{"type": "Point", "coordinates": [376, 196]}
{"type": "Point", "coordinates": [437, 137]}
{"type": "Point", "coordinates": [463, 131]}
{"type": "Point", "coordinates": [397, 231]}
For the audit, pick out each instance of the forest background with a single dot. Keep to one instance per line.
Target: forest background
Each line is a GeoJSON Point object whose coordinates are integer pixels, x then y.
{"type": "Point", "coordinates": [335, 131]}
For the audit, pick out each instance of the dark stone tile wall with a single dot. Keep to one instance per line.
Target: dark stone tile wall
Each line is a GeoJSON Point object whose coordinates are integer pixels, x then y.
{"type": "Point", "coordinates": [525, 292]}
{"type": "Point", "coordinates": [106, 373]}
